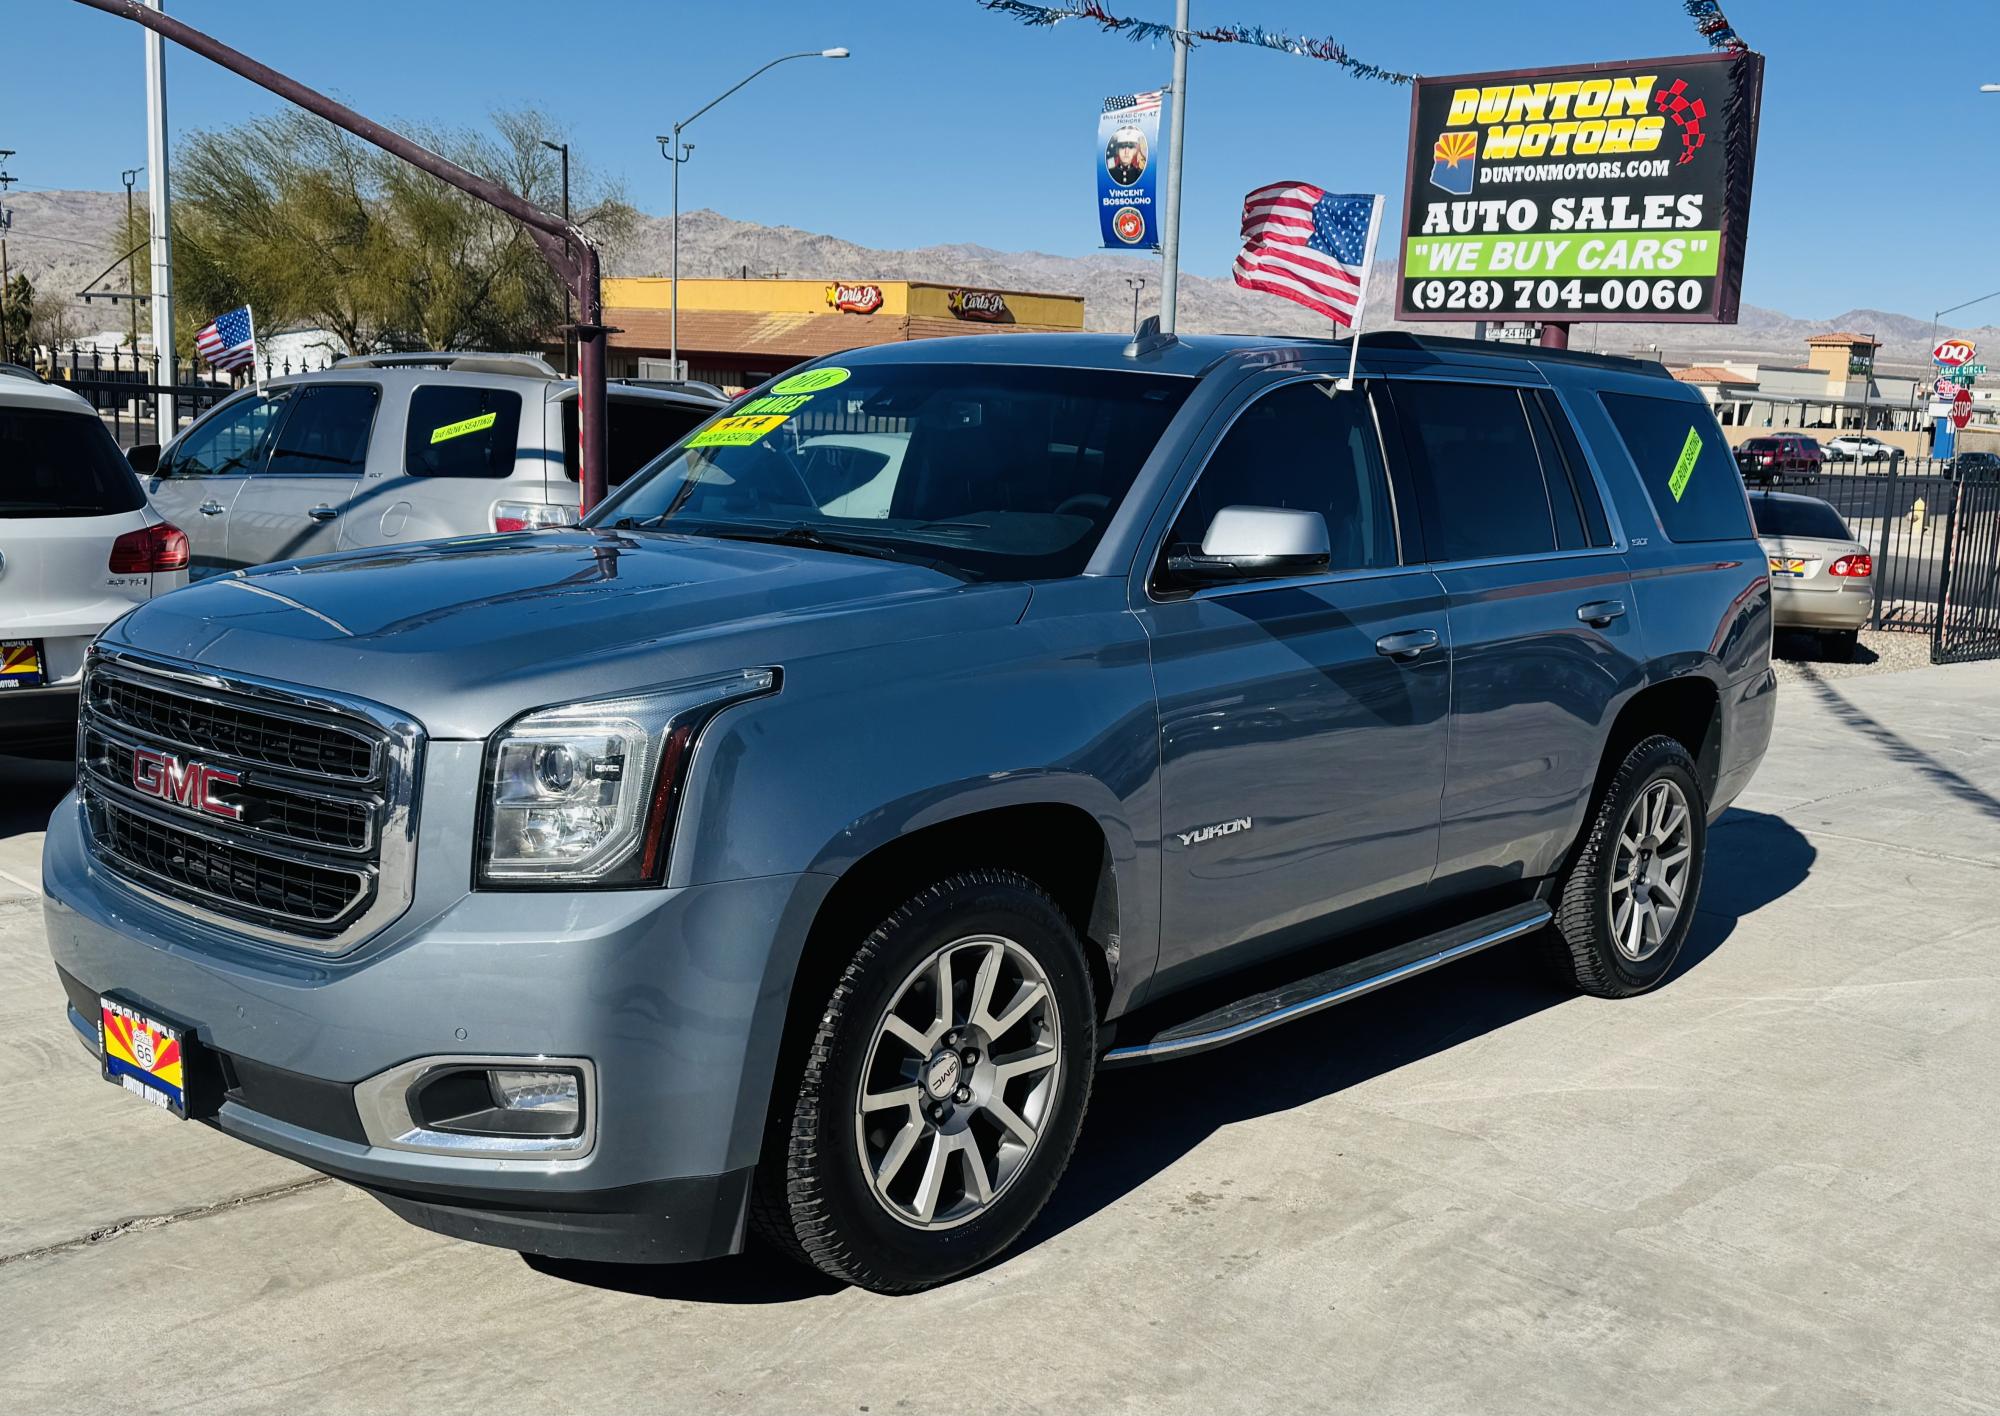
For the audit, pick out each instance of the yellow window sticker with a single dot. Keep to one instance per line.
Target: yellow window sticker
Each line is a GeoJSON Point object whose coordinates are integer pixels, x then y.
{"type": "Point", "coordinates": [735, 432]}
{"type": "Point", "coordinates": [1684, 468]}
{"type": "Point", "coordinates": [813, 381]}
{"type": "Point", "coordinates": [775, 405]}
{"type": "Point", "coordinates": [463, 426]}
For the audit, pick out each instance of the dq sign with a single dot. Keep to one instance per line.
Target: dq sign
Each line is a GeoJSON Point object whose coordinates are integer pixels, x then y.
{"type": "Point", "coordinates": [1953, 352]}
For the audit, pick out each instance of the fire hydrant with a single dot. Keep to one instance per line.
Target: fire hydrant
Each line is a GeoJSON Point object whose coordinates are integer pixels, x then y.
{"type": "Point", "coordinates": [1917, 515]}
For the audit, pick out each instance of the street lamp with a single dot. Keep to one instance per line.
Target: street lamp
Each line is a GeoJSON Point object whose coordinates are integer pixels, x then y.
{"type": "Point", "coordinates": [676, 152]}
{"type": "Point", "coordinates": [129, 176]}
{"type": "Point", "coordinates": [1138, 283]}
{"type": "Point", "coordinates": [568, 318]}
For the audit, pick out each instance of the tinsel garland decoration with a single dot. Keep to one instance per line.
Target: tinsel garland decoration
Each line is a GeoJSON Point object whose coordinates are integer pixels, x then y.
{"type": "Point", "coordinates": [1326, 50]}
{"type": "Point", "coordinates": [1714, 25]}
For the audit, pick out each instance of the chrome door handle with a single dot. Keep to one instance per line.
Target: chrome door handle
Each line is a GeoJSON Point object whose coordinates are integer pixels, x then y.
{"type": "Point", "coordinates": [1408, 644]}
{"type": "Point", "coordinates": [1601, 612]}
{"type": "Point", "coordinates": [210, 508]}
{"type": "Point", "coordinates": [322, 513]}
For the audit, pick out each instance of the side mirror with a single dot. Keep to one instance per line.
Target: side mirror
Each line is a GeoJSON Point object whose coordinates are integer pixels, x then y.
{"type": "Point", "coordinates": [145, 458]}
{"type": "Point", "coordinates": [1256, 543]}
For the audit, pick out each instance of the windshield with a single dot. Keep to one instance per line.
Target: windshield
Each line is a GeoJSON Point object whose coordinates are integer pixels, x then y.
{"type": "Point", "coordinates": [1813, 519]}
{"type": "Point", "coordinates": [989, 471]}
{"type": "Point", "coordinates": [55, 463]}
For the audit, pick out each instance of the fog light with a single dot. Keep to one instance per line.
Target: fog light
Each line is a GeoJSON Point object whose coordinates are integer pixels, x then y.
{"type": "Point", "coordinates": [500, 1101]}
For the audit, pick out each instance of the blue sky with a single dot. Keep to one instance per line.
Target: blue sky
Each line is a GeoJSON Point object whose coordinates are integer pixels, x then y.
{"type": "Point", "coordinates": [951, 124]}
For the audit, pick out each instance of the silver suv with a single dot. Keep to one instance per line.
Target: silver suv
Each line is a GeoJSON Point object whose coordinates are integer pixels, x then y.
{"type": "Point", "coordinates": [391, 448]}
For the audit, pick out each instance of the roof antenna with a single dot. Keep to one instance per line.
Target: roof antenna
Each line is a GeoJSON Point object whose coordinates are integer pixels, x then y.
{"type": "Point", "coordinates": [1149, 340]}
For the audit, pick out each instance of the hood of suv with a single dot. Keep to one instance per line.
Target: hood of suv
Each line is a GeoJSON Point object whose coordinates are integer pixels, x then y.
{"type": "Point", "coordinates": [465, 634]}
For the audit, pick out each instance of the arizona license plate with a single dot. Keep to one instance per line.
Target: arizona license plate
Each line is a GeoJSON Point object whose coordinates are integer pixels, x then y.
{"type": "Point", "coordinates": [144, 1055]}
{"type": "Point", "coordinates": [22, 664]}
{"type": "Point", "coordinates": [1786, 569]}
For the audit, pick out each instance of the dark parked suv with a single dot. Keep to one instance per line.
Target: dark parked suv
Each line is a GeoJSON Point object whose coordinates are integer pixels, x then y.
{"type": "Point", "coordinates": [1773, 460]}
{"type": "Point", "coordinates": [786, 847]}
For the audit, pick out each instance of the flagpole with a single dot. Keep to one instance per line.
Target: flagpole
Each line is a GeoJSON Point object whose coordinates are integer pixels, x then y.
{"type": "Point", "coordinates": [257, 369]}
{"type": "Point", "coordinates": [1361, 302]}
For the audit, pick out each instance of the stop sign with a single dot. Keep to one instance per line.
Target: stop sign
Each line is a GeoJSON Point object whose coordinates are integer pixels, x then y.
{"type": "Point", "coordinates": [1953, 352]}
{"type": "Point", "coordinates": [1961, 408]}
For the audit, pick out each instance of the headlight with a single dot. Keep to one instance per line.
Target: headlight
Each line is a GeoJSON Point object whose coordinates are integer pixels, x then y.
{"type": "Point", "coordinates": [585, 793]}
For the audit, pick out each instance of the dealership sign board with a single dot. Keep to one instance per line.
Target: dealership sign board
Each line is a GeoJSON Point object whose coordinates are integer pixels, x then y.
{"type": "Point", "coordinates": [1614, 192]}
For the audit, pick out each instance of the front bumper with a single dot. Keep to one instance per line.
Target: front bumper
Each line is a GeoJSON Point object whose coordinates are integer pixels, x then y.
{"type": "Point", "coordinates": [676, 996]}
{"type": "Point", "coordinates": [1846, 608]}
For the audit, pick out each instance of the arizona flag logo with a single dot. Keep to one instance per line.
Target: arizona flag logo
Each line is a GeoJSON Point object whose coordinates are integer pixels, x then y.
{"type": "Point", "coordinates": [1453, 163]}
{"type": "Point", "coordinates": [19, 659]}
{"type": "Point", "coordinates": [142, 1053]}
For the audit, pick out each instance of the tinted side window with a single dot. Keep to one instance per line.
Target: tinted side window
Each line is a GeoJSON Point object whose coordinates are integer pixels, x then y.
{"type": "Point", "coordinates": [1568, 459]}
{"type": "Point", "coordinates": [327, 433]}
{"type": "Point", "coordinates": [1304, 447]}
{"type": "Point", "coordinates": [459, 430]}
{"type": "Point", "coordinates": [232, 441]}
{"type": "Point", "coordinates": [1478, 478]}
{"type": "Point", "coordinates": [56, 463]}
{"type": "Point", "coordinates": [637, 432]}
{"type": "Point", "coordinates": [1684, 464]}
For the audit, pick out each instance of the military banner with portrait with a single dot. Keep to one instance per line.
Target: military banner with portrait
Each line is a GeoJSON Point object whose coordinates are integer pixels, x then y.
{"type": "Point", "coordinates": [1128, 158]}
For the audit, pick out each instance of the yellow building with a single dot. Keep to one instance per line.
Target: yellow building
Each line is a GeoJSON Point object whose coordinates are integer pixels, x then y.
{"type": "Point", "coordinates": [737, 333]}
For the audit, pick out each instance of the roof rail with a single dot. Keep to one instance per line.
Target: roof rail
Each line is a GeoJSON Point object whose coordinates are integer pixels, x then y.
{"type": "Point", "coordinates": [526, 366]}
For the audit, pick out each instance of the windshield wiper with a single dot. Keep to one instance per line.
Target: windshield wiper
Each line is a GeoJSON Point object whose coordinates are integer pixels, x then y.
{"type": "Point", "coordinates": [801, 533]}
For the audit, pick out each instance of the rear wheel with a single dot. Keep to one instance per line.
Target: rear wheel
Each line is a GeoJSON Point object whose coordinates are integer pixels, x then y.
{"type": "Point", "coordinates": [1628, 900]}
{"type": "Point", "coordinates": [943, 1090]}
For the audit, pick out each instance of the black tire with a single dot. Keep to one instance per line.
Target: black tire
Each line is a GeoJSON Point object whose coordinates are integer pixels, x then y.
{"type": "Point", "coordinates": [813, 1199]}
{"type": "Point", "coordinates": [1840, 644]}
{"type": "Point", "coordinates": [1582, 949]}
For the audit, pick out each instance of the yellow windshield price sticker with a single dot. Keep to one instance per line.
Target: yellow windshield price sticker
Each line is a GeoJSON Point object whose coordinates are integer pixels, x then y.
{"type": "Point", "coordinates": [1684, 468]}
{"type": "Point", "coordinates": [813, 381]}
{"type": "Point", "coordinates": [463, 426]}
{"type": "Point", "coordinates": [735, 432]}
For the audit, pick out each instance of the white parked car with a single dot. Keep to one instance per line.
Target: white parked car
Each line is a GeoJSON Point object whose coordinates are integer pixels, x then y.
{"type": "Point", "coordinates": [1860, 447]}
{"type": "Point", "coordinates": [79, 546]}
{"type": "Point", "coordinates": [1822, 579]}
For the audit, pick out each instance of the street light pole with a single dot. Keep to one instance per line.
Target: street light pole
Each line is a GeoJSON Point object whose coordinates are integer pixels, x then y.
{"type": "Point", "coordinates": [6, 181]}
{"type": "Point", "coordinates": [128, 177]}
{"type": "Point", "coordinates": [1138, 283]}
{"type": "Point", "coordinates": [160, 213]}
{"type": "Point", "coordinates": [1170, 229]}
{"type": "Point", "coordinates": [568, 317]}
{"type": "Point", "coordinates": [676, 152]}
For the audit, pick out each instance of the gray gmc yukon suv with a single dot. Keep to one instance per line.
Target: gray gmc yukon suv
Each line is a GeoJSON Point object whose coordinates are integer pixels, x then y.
{"type": "Point", "coordinates": [784, 849]}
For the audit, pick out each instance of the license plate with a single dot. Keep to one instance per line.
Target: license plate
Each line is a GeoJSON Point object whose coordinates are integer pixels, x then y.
{"type": "Point", "coordinates": [145, 1056]}
{"type": "Point", "coordinates": [23, 664]}
{"type": "Point", "coordinates": [1784, 569]}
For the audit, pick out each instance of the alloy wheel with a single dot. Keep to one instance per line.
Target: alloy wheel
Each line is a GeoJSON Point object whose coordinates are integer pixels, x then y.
{"type": "Point", "coordinates": [1650, 870]}
{"type": "Point", "coordinates": [961, 1076]}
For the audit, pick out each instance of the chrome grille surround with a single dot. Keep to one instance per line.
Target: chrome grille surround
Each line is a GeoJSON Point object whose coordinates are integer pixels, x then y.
{"type": "Point", "coordinates": [324, 855]}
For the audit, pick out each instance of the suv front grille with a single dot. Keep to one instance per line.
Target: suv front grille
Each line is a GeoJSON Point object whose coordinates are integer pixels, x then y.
{"type": "Point", "coordinates": [279, 812]}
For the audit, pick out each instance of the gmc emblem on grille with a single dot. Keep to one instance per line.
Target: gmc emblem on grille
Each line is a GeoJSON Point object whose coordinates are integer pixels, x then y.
{"type": "Point", "coordinates": [192, 784]}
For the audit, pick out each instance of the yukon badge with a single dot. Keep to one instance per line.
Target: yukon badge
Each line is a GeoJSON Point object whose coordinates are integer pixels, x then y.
{"type": "Point", "coordinates": [1209, 833]}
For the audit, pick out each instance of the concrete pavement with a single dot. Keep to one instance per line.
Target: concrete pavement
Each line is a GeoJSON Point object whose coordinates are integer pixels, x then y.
{"type": "Point", "coordinates": [1766, 1187]}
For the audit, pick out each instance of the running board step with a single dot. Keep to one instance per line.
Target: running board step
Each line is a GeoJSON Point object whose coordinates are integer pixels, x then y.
{"type": "Point", "coordinates": [1250, 1016]}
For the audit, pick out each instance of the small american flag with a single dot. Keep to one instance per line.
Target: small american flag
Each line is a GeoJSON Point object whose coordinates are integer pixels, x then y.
{"type": "Point", "coordinates": [1308, 246]}
{"type": "Point", "coordinates": [227, 341]}
{"type": "Point", "coordinates": [1134, 102]}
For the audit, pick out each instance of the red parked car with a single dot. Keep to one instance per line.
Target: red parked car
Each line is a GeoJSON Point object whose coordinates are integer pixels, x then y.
{"type": "Point", "coordinates": [1774, 459]}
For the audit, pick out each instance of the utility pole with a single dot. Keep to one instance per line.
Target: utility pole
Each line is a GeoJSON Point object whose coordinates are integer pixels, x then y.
{"type": "Point", "coordinates": [568, 318]}
{"type": "Point", "coordinates": [160, 215]}
{"type": "Point", "coordinates": [1138, 283]}
{"type": "Point", "coordinates": [1170, 231]}
{"type": "Point", "coordinates": [128, 177]}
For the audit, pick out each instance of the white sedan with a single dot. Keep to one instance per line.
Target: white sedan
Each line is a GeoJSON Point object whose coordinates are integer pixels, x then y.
{"type": "Point", "coordinates": [79, 546]}
{"type": "Point", "coordinates": [1822, 579]}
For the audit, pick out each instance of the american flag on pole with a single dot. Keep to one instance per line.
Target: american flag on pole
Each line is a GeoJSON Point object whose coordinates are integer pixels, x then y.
{"type": "Point", "coordinates": [1308, 246]}
{"type": "Point", "coordinates": [1134, 102]}
{"type": "Point", "coordinates": [228, 341]}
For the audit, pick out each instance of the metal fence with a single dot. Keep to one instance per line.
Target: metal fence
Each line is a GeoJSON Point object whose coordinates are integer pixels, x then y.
{"type": "Point", "coordinates": [119, 384]}
{"type": "Point", "coordinates": [1968, 618]}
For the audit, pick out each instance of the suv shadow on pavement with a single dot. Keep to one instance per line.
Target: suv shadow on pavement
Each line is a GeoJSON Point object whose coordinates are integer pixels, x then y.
{"type": "Point", "coordinates": [1144, 1119]}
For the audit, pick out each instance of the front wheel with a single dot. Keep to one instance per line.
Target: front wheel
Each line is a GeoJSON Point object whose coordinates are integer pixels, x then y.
{"type": "Point", "coordinates": [1628, 900]}
{"type": "Point", "coordinates": [943, 1090]}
